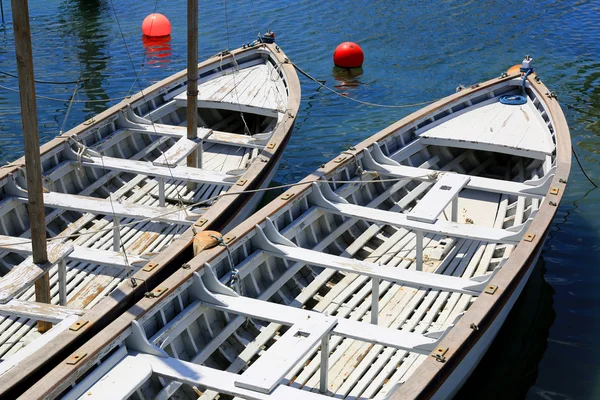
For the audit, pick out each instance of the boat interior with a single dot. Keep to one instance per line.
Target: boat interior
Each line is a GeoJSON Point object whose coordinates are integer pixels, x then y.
{"type": "Point", "coordinates": [345, 289]}
{"type": "Point", "coordinates": [120, 191]}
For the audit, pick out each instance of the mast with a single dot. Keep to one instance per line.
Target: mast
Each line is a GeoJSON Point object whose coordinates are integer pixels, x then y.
{"type": "Point", "coordinates": [194, 159]}
{"type": "Point", "coordinates": [33, 166]}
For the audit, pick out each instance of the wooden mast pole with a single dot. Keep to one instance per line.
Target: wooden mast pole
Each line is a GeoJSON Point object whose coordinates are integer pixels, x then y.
{"type": "Point", "coordinates": [33, 167]}
{"type": "Point", "coordinates": [194, 159]}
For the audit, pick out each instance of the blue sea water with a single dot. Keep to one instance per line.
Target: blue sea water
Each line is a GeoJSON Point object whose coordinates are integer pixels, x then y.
{"type": "Point", "coordinates": [415, 51]}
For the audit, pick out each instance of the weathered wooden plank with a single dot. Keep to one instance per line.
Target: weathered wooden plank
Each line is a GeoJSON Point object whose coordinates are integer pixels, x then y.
{"type": "Point", "coordinates": [106, 207]}
{"type": "Point", "coordinates": [180, 150]}
{"type": "Point", "coordinates": [24, 275]}
{"type": "Point", "coordinates": [37, 311]}
{"type": "Point", "coordinates": [179, 172]}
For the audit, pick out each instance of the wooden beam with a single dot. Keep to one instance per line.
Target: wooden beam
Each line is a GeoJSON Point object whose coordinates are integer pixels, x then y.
{"type": "Point", "coordinates": [147, 168]}
{"type": "Point", "coordinates": [334, 204]}
{"type": "Point", "coordinates": [38, 311]}
{"type": "Point", "coordinates": [194, 159]}
{"type": "Point", "coordinates": [80, 253]}
{"type": "Point", "coordinates": [105, 207]}
{"type": "Point", "coordinates": [23, 276]}
{"type": "Point", "coordinates": [31, 142]}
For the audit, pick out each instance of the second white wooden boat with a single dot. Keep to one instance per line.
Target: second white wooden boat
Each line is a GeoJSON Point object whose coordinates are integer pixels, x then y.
{"type": "Point", "coordinates": [387, 274]}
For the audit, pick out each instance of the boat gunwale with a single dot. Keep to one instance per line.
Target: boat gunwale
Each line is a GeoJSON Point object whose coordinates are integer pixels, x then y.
{"type": "Point", "coordinates": [430, 374]}
{"type": "Point", "coordinates": [123, 296]}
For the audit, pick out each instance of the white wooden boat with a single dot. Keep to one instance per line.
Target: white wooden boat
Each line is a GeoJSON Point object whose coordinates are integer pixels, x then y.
{"type": "Point", "coordinates": [387, 274]}
{"type": "Point", "coordinates": [119, 195]}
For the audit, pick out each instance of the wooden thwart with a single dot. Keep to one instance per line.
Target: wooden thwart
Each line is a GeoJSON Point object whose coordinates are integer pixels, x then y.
{"type": "Point", "coordinates": [324, 197]}
{"type": "Point", "coordinates": [79, 253]}
{"type": "Point", "coordinates": [37, 311]}
{"type": "Point", "coordinates": [377, 161]}
{"type": "Point", "coordinates": [267, 240]}
{"type": "Point", "coordinates": [24, 275]}
{"type": "Point", "coordinates": [106, 207]}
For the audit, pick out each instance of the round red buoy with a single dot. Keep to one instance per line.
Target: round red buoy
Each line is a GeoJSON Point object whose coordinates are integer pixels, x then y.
{"type": "Point", "coordinates": [156, 25]}
{"type": "Point", "coordinates": [348, 55]}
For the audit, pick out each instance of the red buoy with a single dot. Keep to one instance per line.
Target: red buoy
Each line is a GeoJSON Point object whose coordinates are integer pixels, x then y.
{"type": "Point", "coordinates": [156, 25]}
{"type": "Point", "coordinates": [348, 55]}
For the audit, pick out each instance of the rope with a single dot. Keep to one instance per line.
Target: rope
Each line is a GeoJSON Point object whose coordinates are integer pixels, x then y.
{"type": "Point", "coordinates": [234, 281]}
{"type": "Point", "coordinates": [322, 84]}
{"type": "Point", "coordinates": [44, 82]}
{"type": "Point", "coordinates": [212, 199]}
{"type": "Point", "coordinates": [518, 99]}
{"type": "Point", "coordinates": [62, 128]}
{"type": "Point", "coordinates": [66, 100]}
{"type": "Point", "coordinates": [583, 170]}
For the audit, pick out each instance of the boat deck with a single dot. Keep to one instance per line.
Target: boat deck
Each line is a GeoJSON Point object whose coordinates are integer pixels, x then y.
{"type": "Point", "coordinates": [256, 89]}
{"type": "Point", "coordinates": [494, 126]}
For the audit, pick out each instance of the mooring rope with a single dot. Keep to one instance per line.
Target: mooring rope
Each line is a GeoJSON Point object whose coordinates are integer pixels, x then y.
{"type": "Point", "coordinates": [366, 103]}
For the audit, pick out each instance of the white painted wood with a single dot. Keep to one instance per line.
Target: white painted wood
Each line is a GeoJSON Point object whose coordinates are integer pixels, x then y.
{"type": "Point", "coordinates": [207, 135]}
{"type": "Point", "coordinates": [223, 382]}
{"type": "Point", "coordinates": [535, 188]}
{"type": "Point", "coordinates": [356, 330]}
{"type": "Point", "coordinates": [249, 90]}
{"type": "Point", "coordinates": [438, 197]}
{"type": "Point", "coordinates": [179, 172]}
{"type": "Point", "coordinates": [105, 207]}
{"type": "Point", "coordinates": [494, 127]}
{"type": "Point", "coordinates": [176, 153]}
{"type": "Point", "coordinates": [386, 217]}
{"type": "Point", "coordinates": [37, 311]}
{"type": "Point", "coordinates": [122, 380]}
{"type": "Point", "coordinates": [408, 277]}
{"type": "Point", "coordinates": [24, 275]}
{"type": "Point", "coordinates": [38, 344]}
{"type": "Point", "coordinates": [269, 370]}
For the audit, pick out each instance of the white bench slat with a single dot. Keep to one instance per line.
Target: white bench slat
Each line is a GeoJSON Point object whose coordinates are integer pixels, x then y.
{"type": "Point", "coordinates": [179, 172]}
{"type": "Point", "coordinates": [207, 135]}
{"type": "Point", "coordinates": [37, 311]}
{"type": "Point", "coordinates": [297, 342]}
{"type": "Point", "coordinates": [180, 150]}
{"type": "Point", "coordinates": [397, 275]}
{"type": "Point", "coordinates": [452, 229]}
{"type": "Point", "coordinates": [220, 381]}
{"type": "Point", "coordinates": [383, 165]}
{"type": "Point", "coordinates": [24, 275]}
{"type": "Point", "coordinates": [82, 254]}
{"type": "Point", "coordinates": [438, 197]}
{"type": "Point", "coordinates": [286, 315]}
{"type": "Point", "coordinates": [103, 206]}
{"type": "Point", "coordinates": [121, 381]}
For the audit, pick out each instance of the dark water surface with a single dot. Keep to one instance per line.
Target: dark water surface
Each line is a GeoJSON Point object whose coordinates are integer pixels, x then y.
{"type": "Point", "coordinates": [415, 51]}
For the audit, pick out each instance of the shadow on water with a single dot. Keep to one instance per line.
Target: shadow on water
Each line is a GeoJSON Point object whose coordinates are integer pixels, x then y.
{"type": "Point", "coordinates": [510, 365]}
{"type": "Point", "coordinates": [84, 20]}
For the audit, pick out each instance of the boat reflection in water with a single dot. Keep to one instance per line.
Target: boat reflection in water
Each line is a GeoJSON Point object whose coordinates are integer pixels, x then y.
{"type": "Point", "coordinates": [158, 51]}
{"type": "Point", "coordinates": [510, 366]}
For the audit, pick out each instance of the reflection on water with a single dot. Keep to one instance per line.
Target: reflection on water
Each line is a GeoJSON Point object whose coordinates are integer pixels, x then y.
{"type": "Point", "coordinates": [347, 77]}
{"type": "Point", "coordinates": [85, 21]}
{"type": "Point", "coordinates": [158, 51]}
{"type": "Point", "coordinates": [513, 357]}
